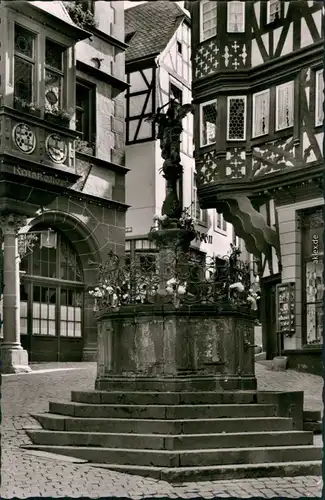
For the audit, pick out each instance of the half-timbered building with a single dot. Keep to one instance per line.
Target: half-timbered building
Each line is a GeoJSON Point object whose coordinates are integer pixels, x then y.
{"type": "Point", "coordinates": [62, 172]}
{"type": "Point", "coordinates": [158, 68]}
{"type": "Point", "coordinates": [258, 88]}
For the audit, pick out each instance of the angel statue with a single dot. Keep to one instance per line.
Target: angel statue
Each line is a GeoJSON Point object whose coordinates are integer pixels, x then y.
{"type": "Point", "coordinates": [170, 129]}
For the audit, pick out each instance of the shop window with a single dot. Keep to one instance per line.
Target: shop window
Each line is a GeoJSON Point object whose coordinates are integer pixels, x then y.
{"type": "Point", "coordinates": [312, 272]}
{"type": "Point", "coordinates": [284, 106]}
{"type": "Point", "coordinates": [261, 113]}
{"type": "Point", "coordinates": [208, 122]}
{"type": "Point", "coordinates": [54, 72]}
{"type": "Point", "coordinates": [236, 118]}
{"type": "Point", "coordinates": [319, 98]}
{"type": "Point", "coordinates": [208, 19]}
{"type": "Point", "coordinates": [236, 17]}
{"type": "Point", "coordinates": [24, 64]}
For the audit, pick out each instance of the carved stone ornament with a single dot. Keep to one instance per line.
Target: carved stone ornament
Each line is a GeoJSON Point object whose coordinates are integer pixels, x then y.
{"type": "Point", "coordinates": [24, 138]}
{"type": "Point", "coordinates": [56, 148]}
{"type": "Point", "coordinates": [12, 223]}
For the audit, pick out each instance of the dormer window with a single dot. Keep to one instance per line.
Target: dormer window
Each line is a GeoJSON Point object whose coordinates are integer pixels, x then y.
{"type": "Point", "coordinates": [273, 10]}
{"type": "Point", "coordinates": [24, 64]}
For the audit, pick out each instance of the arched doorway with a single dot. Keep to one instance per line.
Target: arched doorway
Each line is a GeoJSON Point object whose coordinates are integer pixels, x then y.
{"type": "Point", "coordinates": [51, 298]}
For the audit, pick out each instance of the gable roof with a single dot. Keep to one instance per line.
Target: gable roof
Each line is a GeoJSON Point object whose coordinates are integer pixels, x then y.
{"type": "Point", "coordinates": [153, 25]}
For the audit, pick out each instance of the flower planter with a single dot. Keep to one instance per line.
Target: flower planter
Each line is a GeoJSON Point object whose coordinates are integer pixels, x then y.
{"type": "Point", "coordinates": [26, 109]}
{"type": "Point", "coordinates": [63, 122]}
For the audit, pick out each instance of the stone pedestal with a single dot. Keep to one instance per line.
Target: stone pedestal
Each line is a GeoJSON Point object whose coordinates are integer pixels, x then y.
{"type": "Point", "coordinates": [14, 359]}
{"type": "Point", "coordinates": [160, 348]}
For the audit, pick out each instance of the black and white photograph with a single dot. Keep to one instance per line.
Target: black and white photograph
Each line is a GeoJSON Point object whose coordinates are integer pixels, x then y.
{"type": "Point", "coordinates": [162, 249]}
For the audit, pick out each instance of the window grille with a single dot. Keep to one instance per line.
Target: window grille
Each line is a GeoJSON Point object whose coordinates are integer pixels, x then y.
{"type": "Point", "coordinates": [208, 19]}
{"type": "Point", "coordinates": [236, 17]}
{"type": "Point", "coordinates": [24, 77]}
{"type": "Point", "coordinates": [273, 10]}
{"type": "Point", "coordinates": [284, 106]}
{"type": "Point", "coordinates": [236, 126]}
{"type": "Point", "coordinates": [319, 111]}
{"type": "Point", "coordinates": [208, 123]}
{"type": "Point", "coordinates": [261, 112]}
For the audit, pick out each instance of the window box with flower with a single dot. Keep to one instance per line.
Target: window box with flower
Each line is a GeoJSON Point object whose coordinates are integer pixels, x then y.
{"type": "Point", "coordinates": [58, 115]}
{"type": "Point", "coordinates": [27, 107]}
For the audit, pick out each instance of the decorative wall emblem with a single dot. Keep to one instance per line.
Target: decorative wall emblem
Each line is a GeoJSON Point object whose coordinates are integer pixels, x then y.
{"type": "Point", "coordinates": [236, 163]}
{"type": "Point", "coordinates": [208, 171]}
{"type": "Point", "coordinates": [24, 138]}
{"type": "Point", "coordinates": [56, 148]}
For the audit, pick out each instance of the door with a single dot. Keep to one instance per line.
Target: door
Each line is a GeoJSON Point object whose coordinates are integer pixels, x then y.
{"type": "Point", "coordinates": [272, 343]}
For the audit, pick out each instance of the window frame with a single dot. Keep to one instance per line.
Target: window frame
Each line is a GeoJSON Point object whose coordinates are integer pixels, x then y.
{"type": "Point", "coordinates": [223, 229]}
{"type": "Point", "coordinates": [317, 110]}
{"type": "Point", "coordinates": [203, 217]}
{"type": "Point", "coordinates": [91, 110]}
{"type": "Point", "coordinates": [268, 11]}
{"type": "Point", "coordinates": [254, 134]}
{"type": "Point", "coordinates": [61, 73]}
{"type": "Point", "coordinates": [244, 97]}
{"type": "Point", "coordinates": [32, 61]}
{"type": "Point", "coordinates": [203, 105]}
{"type": "Point", "coordinates": [242, 28]}
{"type": "Point", "coordinates": [277, 89]}
{"type": "Point", "coordinates": [201, 4]}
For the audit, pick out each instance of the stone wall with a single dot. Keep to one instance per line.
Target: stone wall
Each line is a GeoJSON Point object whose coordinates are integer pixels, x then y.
{"type": "Point", "coordinates": [150, 347]}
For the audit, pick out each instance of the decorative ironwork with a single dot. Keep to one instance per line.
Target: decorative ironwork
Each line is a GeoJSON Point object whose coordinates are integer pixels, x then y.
{"type": "Point", "coordinates": [176, 278]}
{"type": "Point", "coordinates": [26, 243]}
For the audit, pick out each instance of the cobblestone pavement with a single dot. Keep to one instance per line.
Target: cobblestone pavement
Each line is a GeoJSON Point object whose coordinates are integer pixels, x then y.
{"type": "Point", "coordinates": [27, 475]}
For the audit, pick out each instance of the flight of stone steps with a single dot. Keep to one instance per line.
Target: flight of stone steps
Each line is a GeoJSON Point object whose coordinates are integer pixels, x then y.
{"type": "Point", "coordinates": [178, 436]}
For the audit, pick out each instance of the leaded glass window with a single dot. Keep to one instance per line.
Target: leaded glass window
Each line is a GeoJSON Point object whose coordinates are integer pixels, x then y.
{"type": "Point", "coordinates": [24, 64]}
{"type": "Point", "coordinates": [54, 63]}
{"type": "Point", "coordinates": [236, 123]}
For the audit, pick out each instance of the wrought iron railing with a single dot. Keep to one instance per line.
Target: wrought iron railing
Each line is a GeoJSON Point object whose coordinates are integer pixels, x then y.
{"type": "Point", "coordinates": [175, 278]}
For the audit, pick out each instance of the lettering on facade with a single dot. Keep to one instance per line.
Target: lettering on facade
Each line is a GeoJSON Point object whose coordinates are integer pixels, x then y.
{"type": "Point", "coordinates": [39, 176]}
{"type": "Point", "coordinates": [315, 251]}
{"type": "Point", "coordinates": [203, 237]}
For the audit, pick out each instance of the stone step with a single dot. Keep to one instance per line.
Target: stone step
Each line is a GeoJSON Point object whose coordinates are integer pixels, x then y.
{"type": "Point", "coordinates": [312, 416]}
{"type": "Point", "coordinates": [165, 398]}
{"type": "Point", "coordinates": [162, 411]}
{"type": "Point", "coordinates": [314, 427]}
{"type": "Point", "coordinates": [186, 458]}
{"type": "Point", "coordinates": [170, 442]}
{"type": "Point", "coordinates": [144, 426]}
{"type": "Point", "coordinates": [221, 472]}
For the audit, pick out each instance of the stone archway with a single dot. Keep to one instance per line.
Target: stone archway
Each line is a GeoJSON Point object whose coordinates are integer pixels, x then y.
{"type": "Point", "coordinates": [86, 247]}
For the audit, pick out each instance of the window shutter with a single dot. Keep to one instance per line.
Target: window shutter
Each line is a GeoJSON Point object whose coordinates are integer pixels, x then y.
{"type": "Point", "coordinates": [261, 104]}
{"type": "Point", "coordinates": [284, 106]}
{"type": "Point", "coordinates": [319, 98]}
